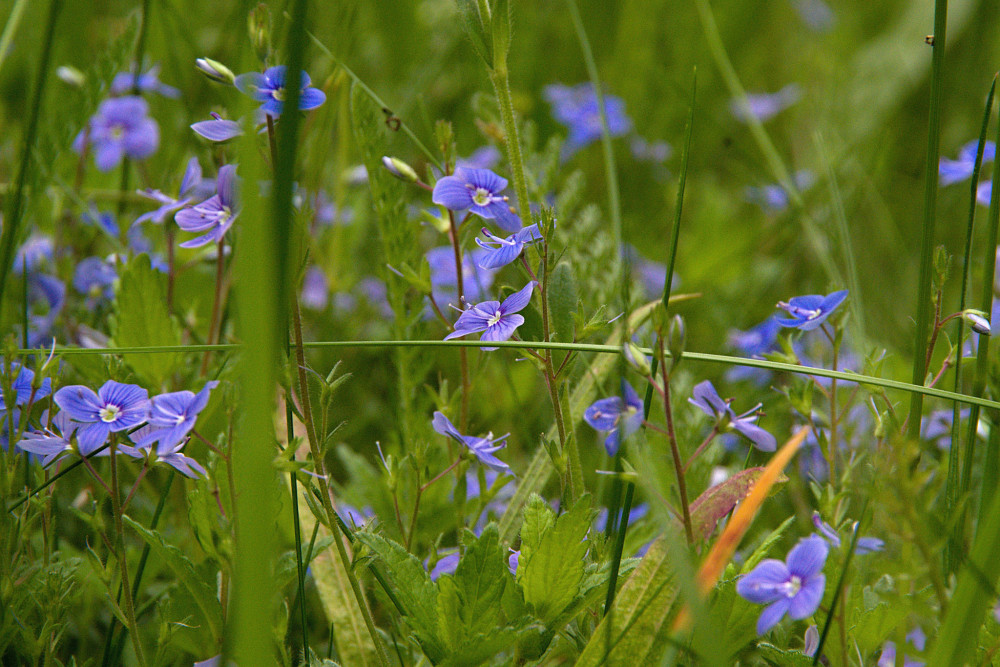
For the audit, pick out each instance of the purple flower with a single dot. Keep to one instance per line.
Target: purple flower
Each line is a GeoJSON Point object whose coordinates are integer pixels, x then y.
{"type": "Point", "coordinates": [576, 107]}
{"type": "Point", "coordinates": [481, 448]}
{"type": "Point", "coordinates": [621, 417]}
{"type": "Point", "coordinates": [501, 252]}
{"type": "Point", "coordinates": [865, 545]}
{"type": "Point", "coordinates": [52, 442]}
{"type": "Point", "coordinates": [810, 311]}
{"type": "Point", "coordinates": [21, 386]}
{"type": "Point", "coordinates": [775, 197]}
{"type": "Point", "coordinates": [512, 560]}
{"type": "Point", "coordinates": [955, 171]}
{"type": "Point", "coordinates": [115, 407]}
{"type": "Point", "coordinates": [125, 82]}
{"type": "Point", "coordinates": [121, 127]}
{"type": "Point", "coordinates": [479, 191]}
{"type": "Point", "coordinates": [481, 158]}
{"type": "Point", "coordinates": [269, 88]}
{"type": "Point", "coordinates": [794, 587]}
{"type": "Point", "coordinates": [171, 455]}
{"type": "Point", "coordinates": [984, 191]}
{"type": "Point", "coordinates": [916, 638]}
{"type": "Point", "coordinates": [756, 340]}
{"type": "Point", "coordinates": [444, 279]}
{"type": "Point", "coordinates": [765, 105]}
{"type": "Point", "coordinates": [94, 278]}
{"type": "Point", "coordinates": [315, 290]}
{"type": "Point", "coordinates": [192, 186]}
{"type": "Point", "coordinates": [172, 416]}
{"type": "Point", "coordinates": [445, 565]}
{"type": "Point", "coordinates": [214, 215]}
{"type": "Point", "coordinates": [707, 399]}
{"type": "Point", "coordinates": [496, 320]}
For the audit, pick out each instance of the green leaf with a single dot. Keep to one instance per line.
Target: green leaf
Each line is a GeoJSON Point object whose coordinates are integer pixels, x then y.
{"type": "Point", "coordinates": [480, 579]}
{"type": "Point", "coordinates": [141, 319]}
{"type": "Point", "coordinates": [501, 32]}
{"type": "Point", "coordinates": [563, 302]}
{"type": "Point", "coordinates": [203, 517]}
{"type": "Point", "coordinates": [482, 42]}
{"type": "Point", "coordinates": [718, 501]}
{"type": "Point", "coordinates": [777, 656]}
{"type": "Point", "coordinates": [552, 573]}
{"type": "Point", "coordinates": [640, 617]}
{"type": "Point", "coordinates": [414, 589]}
{"type": "Point", "coordinates": [538, 518]}
{"type": "Point", "coordinates": [761, 552]}
{"type": "Point", "coordinates": [201, 590]}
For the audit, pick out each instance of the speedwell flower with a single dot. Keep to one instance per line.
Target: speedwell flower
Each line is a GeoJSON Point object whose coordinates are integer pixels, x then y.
{"type": "Point", "coordinates": [269, 88]}
{"type": "Point", "coordinates": [120, 127]}
{"type": "Point", "coordinates": [115, 407]}
{"type": "Point", "coordinates": [215, 215]}
{"type": "Point", "coordinates": [125, 82]}
{"type": "Point", "coordinates": [496, 320]}
{"type": "Point", "coordinates": [501, 252]}
{"type": "Point", "coordinates": [794, 587]}
{"type": "Point", "coordinates": [955, 171]}
{"type": "Point", "coordinates": [765, 105]}
{"type": "Point", "coordinates": [479, 191]}
{"type": "Point", "coordinates": [172, 416]}
{"type": "Point", "coordinates": [810, 311]}
{"type": "Point", "coordinates": [481, 448]}
{"type": "Point", "coordinates": [576, 107]}
{"type": "Point", "coordinates": [707, 399]}
{"type": "Point", "coordinates": [620, 415]}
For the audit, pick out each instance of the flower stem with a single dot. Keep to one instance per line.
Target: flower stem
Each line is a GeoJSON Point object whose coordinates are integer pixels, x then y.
{"type": "Point", "coordinates": [672, 437]}
{"type": "Point", "coordinates": [463, 357]}
{"type": "Point", "coordinates": [126, 588]}
{"type": "Point", "coordinates": [214, 325]}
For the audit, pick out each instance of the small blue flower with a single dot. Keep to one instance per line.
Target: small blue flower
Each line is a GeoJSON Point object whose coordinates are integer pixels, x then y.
{"type": "Point", "coordinates": [446, 564]}
{"type": "Point", "coordinates": [496, 320]}
{"type": "Point", "coordinates": [217, 129]}
{"type": "Point", "coordinates": [756, 340]}
{"type": "Point", "coordinates": [707, 399]}
{"type": "Point", "coordinates": [916, 638]}
{"type": "Point", "coordinates": [94, 278]}
{"type": "Point", "coordinates": [479, 191]}
{"type": "Point", "coordinates": [171, 456]}
{"type": "Point", "coordinates": [269, 88]}
{"type": "Point", "coordinates": [955, 171]}
{"type": "Point", "coordinates": [621, 416]}
{"type": "Point", "coordinates": [481, 448]}
{"type": "Point", "coordinates": [775, 197]}
{"type": "Point", "coordinates": [481, 158]}
{"type": "Point", "coordinates": [576, 108]}
{"type": "Point", "coordinates": [983, 192]}
{"type": "Point", "coordinates": [121, 127]}
{"type": "Point", "coordinates": [315, 289]}
{"type": "Point", "coordinates": [172, 416]}
{"type": "Point", "coordinates": [51, 442]}
{"type": "Point", "coordinates": [21, 386]}
{"type": "Point", "coordinates": [125, 82]}
{"type": "Point", "coordinates": [865, 545]}
{"type": "Point", "coordinates": [215, 215]}
{"type": "Point", "coordinates": [765, 105]}
{"type": "Point", "coordinates": [115, 407]}
{"type": "Point", "coordinates": [444, 279]}
{"type": "Point", "coordinates": [501, 252]}
{"type": "Point", "coordinates": [810, 311]}
{"type": "Point", "coordinates": [794, 587]}
{"type": "Point", "coordinates": [192, 186]}
{"type": "Point", "coordinates": [817, 15]}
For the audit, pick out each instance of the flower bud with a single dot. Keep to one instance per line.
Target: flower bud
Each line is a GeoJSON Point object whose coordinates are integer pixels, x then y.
{"type": "Point", "coordinates": [676, 336]}
{"type": "Point", "coordinates": [71, 76]}
{"type": "Point", "coordinates": [259, 26]}
{"type": "Point", "coordinates": [636, 359]}
{"type": "Point", "coordinates": [215, 70]}
{"type": "Point", "coordinates": [979, 324]}
{"type": "Point", "coordinates": [400, 169]}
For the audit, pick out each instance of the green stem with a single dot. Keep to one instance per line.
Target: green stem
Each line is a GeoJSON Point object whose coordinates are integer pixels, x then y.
{"type": "Point", "coordinates": [116, 506]}
{"type": "Point", "coordinates": [674, 449]}
{"type": "Point", "coordinates": [501, 84]}
{"type": "Point", "coordinates": [930, 214]}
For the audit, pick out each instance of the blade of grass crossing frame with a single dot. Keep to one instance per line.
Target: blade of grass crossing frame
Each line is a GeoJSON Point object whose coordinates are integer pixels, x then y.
{"type": "Point", "coordinates": [956, 485]}
{"type": "Point", "coordinates": [930, 211]}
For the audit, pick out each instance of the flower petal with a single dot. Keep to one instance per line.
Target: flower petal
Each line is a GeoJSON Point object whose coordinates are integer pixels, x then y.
{"type": "Point", "coordinates": [79, 402]}
{"type": "Point", "coordinates": [770, 616]}
{"type": "Point", "coordinates": [807, 600]}
{"type": "Point", "coordinates": [518, 300]}
{"type": "Point", "coordinates": [452, 193]}
{"type": "Point", "coordinates": [807, 558]}
{"type": "Point", "coordinates": [311, 98]}
{"type": "Point", "coordinates": [765, 583]}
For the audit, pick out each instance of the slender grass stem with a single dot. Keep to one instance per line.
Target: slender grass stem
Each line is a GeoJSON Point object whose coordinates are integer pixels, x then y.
{"type": "Point", "coordinates": [126, 587]}
{"type": "Point", "coordinates": [930, 216]}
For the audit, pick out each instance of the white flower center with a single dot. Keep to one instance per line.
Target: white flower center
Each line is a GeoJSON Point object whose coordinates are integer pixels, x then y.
{"type": "Point", "coordinates": [497, 316]}
{"type": "Point", "coordinates": [482, 197]}
{"type": "Point", "coordinates": [109, 413]}
{"type": "Point", "coordinates": [792, 586]}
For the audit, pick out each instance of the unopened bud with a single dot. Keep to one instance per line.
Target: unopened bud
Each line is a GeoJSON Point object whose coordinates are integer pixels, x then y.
{"type": "Point", "coordinates": [71, 76]}
{"type": "Point", "coordinates": [259, 26]}
{"type": "Point", "coordinates": [676, 338]}
{"type": "Point", "coordinates": [215, 70]}
{"type": "Point", "coordinates": [979, 324]}
{"type": "Point", "coordinates": [400, 169]}
{"type": "Point", "coordinates": [636, 359]}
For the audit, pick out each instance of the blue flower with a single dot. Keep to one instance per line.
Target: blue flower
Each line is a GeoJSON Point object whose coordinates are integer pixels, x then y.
{"type": "Point", "coordinates": [496, 320]}
{"type": "Point", "coordinates": [21, 386]}
{"type": "Point", "coordinates": [916, 638]}
{"type": "Point", "coordinates": [125, 82]}
{"type": "Point", "coordinates": [121, 127]}
{"type": "Point", "coordinates": [816, 14]}
{"type": "Point", "coordinates": [479, 191]}
{"type": "Point", "coordinates": [269, 88]}
{"type": "Point", "coordinates": [481, 448]}
{"type": "Point", "coordinates": [794, 587]}
{"type": "Point", "coordinates": [217, 129]}
{"type": "Point", "coordinates": [192, 186]}
{"type": "Point", "coordinates": [115, 407]}
{"type": "Point", "coordinates": [865, 545]}
{"type": "Point", "coordinates": [444, 279]}
{"type": "Point", "coordinates": [446, 564]}
{"type": "Point", "coordinates": [576, 108]}
{"type": "Point", "coordinates": [810, 311]}
{"type": "Point", "coordinates": [775, 197]}
{"type": "Point", "coordinates": [214, 215]}
{"type": "Point", "coordinates": [621, 416]}
{"type": "Point", "coordinates": [756, 340]}
{"type": "Point", "coordinates": [170, 455]}
{"type": "Point", "coordinates": [765, 105]}
{"type": "Point", "coordinates": [955, 171]}
{"type": "Point", "coordinates": [172, 416]}
{"type": "Point", "coordinates": [51, 442]}
{"type": "Point", "coordinates": [501, 252]}
{"type": "Point", "coordinates": [94, 278]}
{"type": "Point", "coordinates": [481, 158]}
{"type": "Point", "coordinates": [707, 399]}
{"type": "Point", "coordinates": [315, 289]}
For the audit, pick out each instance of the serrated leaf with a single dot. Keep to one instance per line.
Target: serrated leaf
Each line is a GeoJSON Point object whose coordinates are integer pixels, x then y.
{"type": "Point", "coordinates": [553, 572]}
{"type": "Point", "coordinates": [482, 42]}
{"type": "Point", "coordinates": [202, 515]}
{"type": "Point", "coordinates": [783, 658]}
{"type": "Point", "coordinates": [480, 579]}
{"type": "Point", "coordinates": [640, 617]}
{"type": "Point", "coordinates": [718, 501]}
{"type": "Point", "coordinates": [201, 590]}
{"type": "Point", "coordinates": [142, 319]}
{"type": "Point", "coordinates": [414, 589]}
{"type": "Point", "coordinates": [562, 302]}
{"type": "Point", "coordinates": [538, 518]}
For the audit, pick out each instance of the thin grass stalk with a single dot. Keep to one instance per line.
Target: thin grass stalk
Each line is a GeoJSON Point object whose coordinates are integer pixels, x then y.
{"type": "Point", "coordinates": [991, 468]}
{"type": "Point", "coordinates": [296, 526]}
{"type": "Point", "coordinates": [126, 586]}
{"type": "Point", "coordinates": [954, 483]}
{"type": "Point", "coordinates": [838, 591]}
{"type": "Point", "coordinates": [15, 209]}
{"type": "Point", "coordinates": [10, 28]}
{"type": "Point", "coordinates": [930, 215]}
